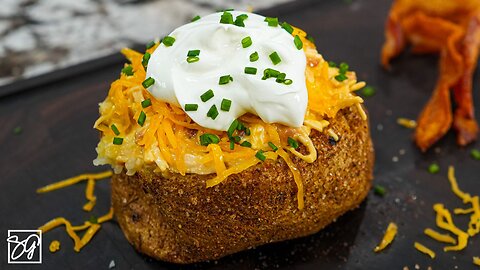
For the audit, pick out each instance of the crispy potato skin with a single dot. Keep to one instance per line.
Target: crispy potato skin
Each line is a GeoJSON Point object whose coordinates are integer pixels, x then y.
{"type": "Point", "coordinates": [177, 219]}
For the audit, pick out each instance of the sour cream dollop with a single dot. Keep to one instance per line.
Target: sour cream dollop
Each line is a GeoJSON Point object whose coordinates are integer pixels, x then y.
{"type": "Point", "coordinates": [179, 82]}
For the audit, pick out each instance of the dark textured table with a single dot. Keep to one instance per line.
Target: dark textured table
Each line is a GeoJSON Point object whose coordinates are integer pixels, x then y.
{"type": "Point", "coordinates": [56, 113]}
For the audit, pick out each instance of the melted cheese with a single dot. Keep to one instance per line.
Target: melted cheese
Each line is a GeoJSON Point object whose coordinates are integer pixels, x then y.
{"type": "Point", "coordinates": [424, 250]}
{"type": "Point", "coordinates": [388, 237]}
{"type": "Point", "coordinates": [170, 140]}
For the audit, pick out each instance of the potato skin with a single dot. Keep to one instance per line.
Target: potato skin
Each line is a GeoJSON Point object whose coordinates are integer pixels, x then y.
{"type": "Point", "coordinates": [177, 219]}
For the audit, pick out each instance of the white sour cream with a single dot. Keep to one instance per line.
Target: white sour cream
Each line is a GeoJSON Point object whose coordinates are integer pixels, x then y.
{"type": "Point", "coordinates": [221, 53]}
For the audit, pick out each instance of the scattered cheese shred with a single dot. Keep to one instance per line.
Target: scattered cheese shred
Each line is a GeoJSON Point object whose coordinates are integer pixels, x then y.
{"type": "Point", "coordinates": [54, 246]}
{"type": "Point", "coordinates": [407, 123]}
{"type": "Point", "coordinates": [445, 238]}
{"type": "Point", "coordinates": [388, 237]}
{"type": "Point", "coordinates": [424, 250]}
{"type": "Point", "coordinates": [444, 220]}
{"type": "Point", "coordinates": [476, 261]}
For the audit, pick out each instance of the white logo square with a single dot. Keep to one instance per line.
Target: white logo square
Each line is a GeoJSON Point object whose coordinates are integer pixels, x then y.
{"type": "Point", "coordinates": [24, 246]}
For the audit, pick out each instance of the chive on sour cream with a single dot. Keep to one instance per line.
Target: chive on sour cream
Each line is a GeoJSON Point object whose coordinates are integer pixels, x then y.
{"type": "Point", "coordinates": [226, 64]}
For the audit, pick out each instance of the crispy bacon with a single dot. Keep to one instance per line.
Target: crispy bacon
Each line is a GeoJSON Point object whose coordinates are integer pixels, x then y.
{"type": "Point", "coordinates": [452, 29]}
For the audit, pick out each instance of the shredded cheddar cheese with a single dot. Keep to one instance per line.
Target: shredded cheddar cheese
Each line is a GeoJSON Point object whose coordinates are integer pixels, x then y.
{"type": "Point", "coordinates": [390, 234]}
{"type": "Point", "coordinates": [424, 250]}
{"type": "Point", "coordinates": [169, 139]}
{"type": "Point", "coordinates": [445, 238]}
{"type": "Point", "coordinates": [54, 246]}
{"type": "Point", "coordinates": [476, 261]}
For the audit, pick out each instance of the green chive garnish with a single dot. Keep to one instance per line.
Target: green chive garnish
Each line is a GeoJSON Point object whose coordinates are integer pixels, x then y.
{"type": "Point", "coordinates": [271, 21]}
{"type": "Point", "coordinates": [247, 131]}
{"type": "Point", "coordinates": [17, 130]}
{"type": "Point", "coordinates": [287, 27]}
{"type": "Point", "coordinates": [343, 68]}
{"type": "Point", "coordinates": [226, 18]}
{"type": "Point", "coordinates": [246, 144]}
{"type": "Point", "coordinates": [246, 42]}
{"type": "Point", "coordinates": [146, 103]}
{"type": "Point", "coordinates": [250, 70]}
{"type": "Point", "coordinates": [141, 118]}
{"type": "Point", "coordinates": [191, 107]}
{"type": "Point", "coordinates": [168, 41]}
{"type": "Point", "coordinates": [341, 77]}
{"type": "Point", "coordinates": [232, 128]}
{"type": "Point", "coordinates": [310, 38]}
{"type": "Point", "coordinates": [379, 190]}
{"type": "Point", "coordinates": [115, 129]}
{"type": "Point", "coordinates": [433, 168]}
{"type": "Point", "coordinates": [117, 140]}
{"type": "Point", "coordinates": [192, 59]}
{"type": "Point", "coordinates": [148, 82]}
{"type": "Point", "coordinates": [192, 53]}
{"type": "Point", "coordinates": [287, 82]}
{"type": "Point", "coordinates": [281, 78]}
{"type": "Point", "coordinates": [232, 145]}
{"type": "Point", "coordinates": [236, 138]}
{"type": "Point", "coordinates": [273, 146]}
{"type": "Point", "coordinates": [239, 20]}
{"type": "Point", "coordinates": [212, 112]}
{"type": "Point", "coordinates": [298, 42]}
{"type": "Point", "coordinates": [368, 91]}
{"type": "Point", "coordinates": [207, 95]}
{"type": "Point", "coordinates": [260, 155]}
{"type": "Point", "coordinates": [275, 58]}
{"type": "Point", "coordinates": [145, 59]}
{"type": "Point", "coordinates": [225, 79]}
{"type": "Point", "coordinates": [270, 73]}
{"type": "Point", "coordinates": [128, 70]}
{"type": "Point", "coordinates": [475, 153]}
{"type": "Point", "coordinates": [150, 44]}
{"type": "Point", "coordinates": [292, 142]}
{"type": "Point", "coordinates": [93, 219]}
{"type": "Point", "coordinates": [206, 139]}
{"type": "Point", "coordinates": [332, 64]}
{"type": "Point", "coordinates": [196, 18]}
{"type": "Point", "coordinates": [254, 57]}
{"type": "Point", "coordinates": [226, 104]}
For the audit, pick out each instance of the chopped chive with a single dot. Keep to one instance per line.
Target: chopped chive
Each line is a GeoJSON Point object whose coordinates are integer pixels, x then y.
{"type": "Point", "coordinates": [341, 77]}
{"type": "Point", "coordinates": [117, 140]}
{"type": "Point", "coordinates": [232, 145]}
{"type": "Point", "coordinates": [115, 129]}
{"type": "Point", "coordinates": [343, 68]}
{"type": "Point", "coordinates": [368, 91]}
{"type": "Point", "coordinates": [271, 21]}
{"type": "Point", "coordinates": [287, 82]}
{"type": "Point", "coordinates": [246, 42]}
{"type": "Point", "coordinates": [150, 44]}
{"type": "Point", "coordinates": [212, 112]}
{"type": "Point", "coordinates": [192, 59]}
{"type": "Point", "coordinates": [225, 79]}
{"type": "Point", "coordinates": [226, 18]}
{"type": "Point", "coordinates": [332, 64]}
{"type": "Point", "coordinates": [193, 53]}
{"type": "Point", "coordinates": [93, 219]}
{"type": "Point", "coordinates": [254, 57]}
{"type": "Point", "coordinates": [246, 144]}
{"type": "Point", "coordinates": [226, 104]}
{"type": "Point", "coordinates": [298, 42]}
{"type": "Point", "coordinates": [236, 138]}
{"type": "Point", "coordinates": [168, 41]}
{"type": "Point", "coordinates": [275, 58]}
{"type": "Point", "coordinates": [260, 155]}
{"type": "Point", "coordinates": [148, 82]}
{"type": "Point", "coordinates": [196, 18]}
{"type": "Point", "coordinates": [191, 107]}
{"type": "Point", "coordinates": [270, 73]}
{"type": "Point", "coordinates": [141, 118]}
{"type": "Point", "coordinates": [239, 20]}
{"type": "Point", "coordinates": [242, 16]}
{"type": "Point", "coordinates": [240, 126]}
{"type": "Point", "coordinates": [250, 70]}
{"type": "Point", "coordinates": [293, 143]}
{"type": "Point", "coordinates": [128, 70]}
{"type": "Point", "coordinates": [145, 59]}
{"type": "Point", "coordinates": [232, 128]}
{"type": "Point", "coordinates": [433, 168]}
{"type": "Point", "coordinates": [379, 190]}
{"type": "Point", "coordinates": [17, 130]}
{"type": "Point", "coordinates": [310, 38]}
{"type": "Point", "coordinates": [206, 139]}
{"type": "Point", "coordinates": [207, 95]}
{"type": "Point", "coordinates": [146, 103]}
{"type": "Point", "coordinates": [281, 78]}
{"type": "Point", "coordinates": [287, 27]}
{"type": "Point", "coordinates": [247, 131]}
{"type": "Point", "coordinates": [273, 146]}
{"type": "Point", "coordinates": [475, 153]}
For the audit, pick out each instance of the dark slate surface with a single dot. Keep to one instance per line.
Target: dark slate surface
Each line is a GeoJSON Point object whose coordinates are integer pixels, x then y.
{"type": "Point", "coordinates": [57, 141]}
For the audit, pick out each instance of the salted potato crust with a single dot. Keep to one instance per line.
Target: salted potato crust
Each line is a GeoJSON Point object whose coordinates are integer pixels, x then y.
{"type": "Point", "coordinates": [177, 219]}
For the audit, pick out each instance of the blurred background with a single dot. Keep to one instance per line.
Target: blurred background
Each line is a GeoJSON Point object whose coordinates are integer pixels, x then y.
{"type": "Point", "coordinates": [40, 36]}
